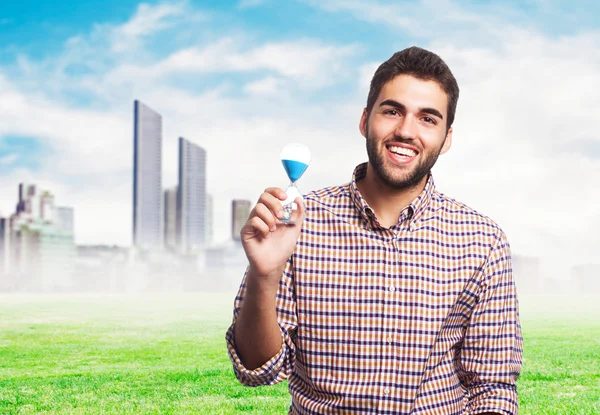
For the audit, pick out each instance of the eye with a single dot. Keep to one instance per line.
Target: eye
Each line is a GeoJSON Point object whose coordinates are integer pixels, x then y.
{"type": "Point", "coordinates": [429, 120]}
{"type": "Point", "coordinates": [391, 112]}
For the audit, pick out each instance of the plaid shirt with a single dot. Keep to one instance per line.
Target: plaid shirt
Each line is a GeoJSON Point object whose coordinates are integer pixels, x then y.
{"type": "Point", "coordinates": [418, 318]}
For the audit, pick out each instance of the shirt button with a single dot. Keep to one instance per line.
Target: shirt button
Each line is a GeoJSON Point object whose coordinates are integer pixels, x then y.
{"type": "Point", "coordinates": [386, 391]}
{"type": "Point", "coordinates": [392, 288]}
{"type": "Point", "coordinates": [389, 339]}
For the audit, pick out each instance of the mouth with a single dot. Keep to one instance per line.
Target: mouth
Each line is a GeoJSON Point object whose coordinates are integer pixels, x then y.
{"type": "Point", "coordinates": [401, 153]}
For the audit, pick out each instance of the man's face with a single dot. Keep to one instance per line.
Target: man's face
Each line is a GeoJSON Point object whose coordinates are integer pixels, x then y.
{"type": "Point", "coordinates": [406, 130]}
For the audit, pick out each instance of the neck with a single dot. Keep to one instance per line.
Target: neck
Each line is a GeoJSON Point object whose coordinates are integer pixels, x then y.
{"type": "Point", "coordinates": [387, 202]}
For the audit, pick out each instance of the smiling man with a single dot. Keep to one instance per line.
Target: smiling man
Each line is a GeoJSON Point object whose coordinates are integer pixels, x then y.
{"type": "Point", "coordinates": [386, 296]}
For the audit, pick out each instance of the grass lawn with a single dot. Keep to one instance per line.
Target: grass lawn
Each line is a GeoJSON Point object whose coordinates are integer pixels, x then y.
{"type": "Point", "coordinates": [92, 354]}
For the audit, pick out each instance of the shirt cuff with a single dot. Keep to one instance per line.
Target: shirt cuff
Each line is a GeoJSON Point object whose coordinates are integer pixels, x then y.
{"type": "Point", "coordinates": [267, 374]}
{"type": "Point", "coordinates": [495, 398]}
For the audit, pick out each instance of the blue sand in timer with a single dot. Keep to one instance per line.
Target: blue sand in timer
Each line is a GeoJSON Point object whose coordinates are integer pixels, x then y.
{"type": "Point", "coordinates": [295, 159]}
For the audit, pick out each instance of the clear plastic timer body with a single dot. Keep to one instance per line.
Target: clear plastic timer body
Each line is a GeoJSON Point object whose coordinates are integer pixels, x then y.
{"type": "Point", "coordinates": [295, 159]}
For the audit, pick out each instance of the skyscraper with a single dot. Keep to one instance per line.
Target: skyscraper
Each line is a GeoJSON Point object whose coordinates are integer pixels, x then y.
{"type": "Point", "coordinates": [240, 210]}
{"type": "Point", "coordinates": [209, 219]}
{"type": "Point", "coordinates": [191, 196]}
{"type": "Point", "coordinates": [171, 217]}
{"type": "Point", "coordinates": [47, 208]}
{"type": "Point", "coordinates": [38, 243]}
{"type": "Point", "coordinates": [28, 200]}
{"type": "Point", "coordinates": [147, 178]}
{"type": "Point", "coordinates": [4, 245]}
{"type": "Point", "coordinates": [64, 219]}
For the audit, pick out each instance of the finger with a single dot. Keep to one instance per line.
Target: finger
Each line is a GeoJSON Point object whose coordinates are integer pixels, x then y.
{"type": "Point", "coordinates": [277, 192]}
{"type": "Point", "coordinates": [272, 203]}
{"type": "Point", "coordinates": [266, 215]}
{"type": "Point", "coordinates": [254, 227]}
{"type": "Point", "coordinates": [299, 213]}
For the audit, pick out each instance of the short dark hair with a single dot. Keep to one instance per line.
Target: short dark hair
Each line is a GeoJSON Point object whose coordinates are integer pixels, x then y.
{"type": "Point", "coordinates": [422, 64]}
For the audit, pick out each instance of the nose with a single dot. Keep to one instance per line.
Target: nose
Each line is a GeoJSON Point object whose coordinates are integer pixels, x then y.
{"type": "Point", "coordinates": [407, 127]}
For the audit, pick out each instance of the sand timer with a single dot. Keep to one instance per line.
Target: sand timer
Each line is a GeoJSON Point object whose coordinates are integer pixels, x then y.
{"type": "Point", "coordinates": [295, 159]}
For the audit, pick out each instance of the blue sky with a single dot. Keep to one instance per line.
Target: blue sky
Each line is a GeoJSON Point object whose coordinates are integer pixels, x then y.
{"type": "Point", "coordinates": [242, 78]}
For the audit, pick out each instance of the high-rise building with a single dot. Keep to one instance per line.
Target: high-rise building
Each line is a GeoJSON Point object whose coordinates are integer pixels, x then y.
{"type": "Point", "coordinates": [44, 255]}
{"type": "Point", "coordinates": [47, 210]}
{"type": "Point", "coordinates": [240, 210]}
{"type": "Point", "coordinates": [209, 219]}
{"type": "Point", "coordinates": [4, 245]}
{"type": "Point", "coordinates": [64, 219]}
{"type": "Point", "coordinates": [38, 245]}
{"type": "Point", "coordinates": [191, 218]}
{"type": "Point", "coordinates": [170, 204]}
{"type": "Point", "coordinates": [28, 200]}
{"type": "Point", "coordinates": [147, 178]}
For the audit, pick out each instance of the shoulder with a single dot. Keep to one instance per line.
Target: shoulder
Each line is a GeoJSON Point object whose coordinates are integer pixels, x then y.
{"type": "Point", "coordinates": [460, 217]}
{"type": "Point", "coordinates": [328, 197]}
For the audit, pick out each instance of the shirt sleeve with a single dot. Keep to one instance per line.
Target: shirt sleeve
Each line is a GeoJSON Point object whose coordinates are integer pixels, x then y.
{"type": "Point", "coordinates": [492, 351]}
{"type": "Point", "coordinates": [278, 367]}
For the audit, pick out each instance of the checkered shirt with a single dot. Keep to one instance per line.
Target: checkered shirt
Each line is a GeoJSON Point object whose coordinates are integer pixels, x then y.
{"type": "Point", "coordinates": [418, 318]}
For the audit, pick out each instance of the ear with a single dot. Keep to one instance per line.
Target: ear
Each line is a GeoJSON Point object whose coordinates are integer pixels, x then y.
{"type": "Point", "coordinates": [362, 125]}
{"type": "Point", "coordinates": [447, 142]}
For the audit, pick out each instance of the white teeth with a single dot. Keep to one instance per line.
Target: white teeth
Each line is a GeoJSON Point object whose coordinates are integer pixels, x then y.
{"type": "Point", "coordinates": [403, 151]}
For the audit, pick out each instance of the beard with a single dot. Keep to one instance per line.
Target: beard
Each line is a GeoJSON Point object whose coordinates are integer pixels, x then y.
{"type": "Point", "coordinates": [401, 180]}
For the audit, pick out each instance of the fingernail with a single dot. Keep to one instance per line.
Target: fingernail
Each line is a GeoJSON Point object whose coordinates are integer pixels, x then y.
{"type": "Point", "coordinates": [273, 228]}
{"type": "Point", "coordinates": [280, 214]}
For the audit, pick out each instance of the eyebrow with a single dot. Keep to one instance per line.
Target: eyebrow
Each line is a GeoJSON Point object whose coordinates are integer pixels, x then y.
{"type": "Point", "coordinates": [396, 104]}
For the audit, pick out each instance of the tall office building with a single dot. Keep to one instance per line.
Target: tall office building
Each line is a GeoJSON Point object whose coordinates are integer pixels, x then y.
{"type": "Point", "coordinates": [38, 245]}
{"type": "Point", "coordinates": [64, 219]}
{"type": "Point", "coordinates": [4, 245]}
{"type": "Point", "coordinates": [28, 200]}
{"type": "Point", "coordinates": [47, 208]}
{"type": "Point", "coordinates": [209, 219]}
{"type": "Point", "coordinates": [191, 197]}
{"type": "Point", "coordinates": [170, 203]}
{"type": "Point", "coordinates": [147, 178]}
{"type": "Point", "coordinates": [240, 210]}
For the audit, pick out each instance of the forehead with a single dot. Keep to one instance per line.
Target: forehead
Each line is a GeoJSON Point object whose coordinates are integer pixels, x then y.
{"type": "Point", "coordinates": [414, 93]}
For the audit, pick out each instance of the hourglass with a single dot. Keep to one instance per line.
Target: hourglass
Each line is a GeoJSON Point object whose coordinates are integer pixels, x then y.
{"type": "Point", "coordinates": [295, 159]}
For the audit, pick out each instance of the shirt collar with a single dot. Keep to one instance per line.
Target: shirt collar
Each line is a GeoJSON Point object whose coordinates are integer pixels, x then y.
{"type": "Point", "coordinates": [414, 210]}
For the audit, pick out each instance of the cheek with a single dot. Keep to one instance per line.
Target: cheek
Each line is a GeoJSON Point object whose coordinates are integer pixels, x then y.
{"type": "Point", "coordinates": [381, 129]}
{"type": "Point", "coordinates": [432, 140]}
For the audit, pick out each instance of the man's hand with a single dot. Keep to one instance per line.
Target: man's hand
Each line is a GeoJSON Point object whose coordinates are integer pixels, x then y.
{"type": "Point", "coordinates": [267, 241]}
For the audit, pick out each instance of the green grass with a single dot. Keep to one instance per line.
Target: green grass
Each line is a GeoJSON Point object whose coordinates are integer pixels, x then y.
{"type": "Point", "coordinates": [166, 355]}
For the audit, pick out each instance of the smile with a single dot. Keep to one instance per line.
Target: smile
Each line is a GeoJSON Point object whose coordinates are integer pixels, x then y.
{"type": "Point", "coordinates": [401, 154]}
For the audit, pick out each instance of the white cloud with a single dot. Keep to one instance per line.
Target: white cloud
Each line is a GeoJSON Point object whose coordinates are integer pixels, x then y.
{"type": "Point", "coordinates": [9, 158]}
{"type": "Point", "coordinates": [310, 62]}
{"type": "Point", "coordinates": [147, 20]}
{"type": "Point", "coordinates": [423, 19]}
{"type": "Point", "coordinates": [265, 86]}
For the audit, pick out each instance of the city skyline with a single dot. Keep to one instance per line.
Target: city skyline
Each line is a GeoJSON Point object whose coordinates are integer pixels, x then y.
{"type": "Point", "coordinates": [174, 218]}
{"type": "Point", "coordinates": [525, 143]}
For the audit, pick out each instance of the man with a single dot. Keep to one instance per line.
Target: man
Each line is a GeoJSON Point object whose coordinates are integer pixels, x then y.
{"type": "Point", "coordinates": [386, 296]}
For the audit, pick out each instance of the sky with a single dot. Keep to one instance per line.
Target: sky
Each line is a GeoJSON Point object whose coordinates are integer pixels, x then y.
{"type": "Point", "coordinates": [243, 78]}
